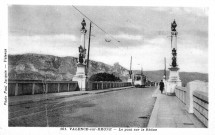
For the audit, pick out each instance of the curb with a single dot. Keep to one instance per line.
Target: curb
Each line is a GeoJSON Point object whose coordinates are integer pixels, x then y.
{"type": "Point", "coordinates": [67, 96]}
{"type": "Point", "coordinates": [153, 118]}
{"type": "Point", "coordinates": [51, 98]}
{"type": "Point", "coordinates": [99, 92]}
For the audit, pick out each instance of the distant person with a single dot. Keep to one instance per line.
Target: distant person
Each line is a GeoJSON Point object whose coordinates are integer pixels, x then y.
{"type": "Point", "coordinates": [161, 84]}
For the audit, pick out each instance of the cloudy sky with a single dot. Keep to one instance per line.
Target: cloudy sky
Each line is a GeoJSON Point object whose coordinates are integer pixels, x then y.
{"type": "Point", "coordinates": [143, 33]}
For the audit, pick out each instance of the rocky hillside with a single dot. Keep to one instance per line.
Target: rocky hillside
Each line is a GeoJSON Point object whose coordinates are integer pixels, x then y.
{"type": "Point", "coordinates": [37, 67]}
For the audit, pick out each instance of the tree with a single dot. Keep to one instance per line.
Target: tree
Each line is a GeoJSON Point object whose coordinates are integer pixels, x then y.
{"type": "Point", "coordinates": [104, 77]}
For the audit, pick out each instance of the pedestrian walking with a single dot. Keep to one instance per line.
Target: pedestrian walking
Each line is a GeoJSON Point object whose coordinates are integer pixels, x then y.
{"type": "Point", "coordinates": [161, 84]}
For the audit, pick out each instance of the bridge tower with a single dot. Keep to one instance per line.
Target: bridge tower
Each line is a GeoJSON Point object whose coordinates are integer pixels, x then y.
{"type": "Point", "coordinates": [80, 76]}
{"type": "Point", "coordinates": [174, 79]}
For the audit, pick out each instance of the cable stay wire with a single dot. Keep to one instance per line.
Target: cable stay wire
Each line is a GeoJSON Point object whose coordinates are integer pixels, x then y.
{"type": "Point", "coordinates": [117, 41]}
{"type": "Point", "coordinates": [97, 25]}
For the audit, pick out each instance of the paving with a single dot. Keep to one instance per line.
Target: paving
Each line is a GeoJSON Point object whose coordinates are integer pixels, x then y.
{"type": "Point", "coordinates": [170, 112]}
{"type": "Point", "coordinates": [22, 99]}
{"type": "Point", "coordinates": [120, 108]}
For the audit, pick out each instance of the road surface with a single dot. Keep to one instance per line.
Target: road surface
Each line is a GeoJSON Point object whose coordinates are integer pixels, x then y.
{"type": "Point", "coordinates": [124, 108]}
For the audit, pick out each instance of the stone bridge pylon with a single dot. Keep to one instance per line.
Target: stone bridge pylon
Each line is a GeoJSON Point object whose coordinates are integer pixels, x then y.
{"type": "Point", "coordinates": [80, 76]}
{"type": "Point", "coordinates": [174, 79]}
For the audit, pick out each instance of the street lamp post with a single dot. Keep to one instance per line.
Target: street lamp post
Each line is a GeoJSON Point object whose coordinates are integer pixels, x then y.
{"type": "Point", "coordinates": [80, 76]}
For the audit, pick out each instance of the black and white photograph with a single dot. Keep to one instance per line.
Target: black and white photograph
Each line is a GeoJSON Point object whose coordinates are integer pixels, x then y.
{"type": "Point", "coordinates": [110, 68]}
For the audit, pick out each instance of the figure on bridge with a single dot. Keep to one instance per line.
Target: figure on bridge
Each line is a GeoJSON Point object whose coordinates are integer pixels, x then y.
{"type": "Point", "coordinates": [82, 53]}
{"type": "Point", "coordinates": [161, 84]}
{"type": "Point", "coordinates": [174, 53]}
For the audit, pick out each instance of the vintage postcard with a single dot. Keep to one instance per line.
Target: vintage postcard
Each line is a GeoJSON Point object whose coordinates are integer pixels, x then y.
{"type": "Point", "coordinates": [113, 68]}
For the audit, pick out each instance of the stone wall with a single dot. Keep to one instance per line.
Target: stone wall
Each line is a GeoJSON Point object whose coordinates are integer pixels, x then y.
{"type": "Point", "coordinates": [31, 87]}
{"type": "Point", "coordinates": [195, 97]}
{"type": "Point", "coordinates": [180, 92]}
{"type": "Point", "coordinates": [200, 106]}
{"type": "Point", "coordinates": [107, 85]}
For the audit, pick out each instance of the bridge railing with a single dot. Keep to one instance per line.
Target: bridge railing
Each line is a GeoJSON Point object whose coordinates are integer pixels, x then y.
{"type": "Point", "coordinates": [107, 85]}
{"type": "Point", "coordinates": [195, 98]}
{"type": "Point", "coordinates": [200, 106]}
{"type": "Point", "coordinates": [180, 92]}
{"type": "Point", "coordinates": [31, 87]}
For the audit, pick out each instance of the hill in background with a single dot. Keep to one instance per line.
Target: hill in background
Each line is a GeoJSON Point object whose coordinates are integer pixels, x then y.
{"type": "Point", "coordinates": [39, 67]}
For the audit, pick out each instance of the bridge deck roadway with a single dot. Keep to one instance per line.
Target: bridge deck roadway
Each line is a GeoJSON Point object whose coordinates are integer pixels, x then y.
{"type": "Point", "coordinates": [129, 107]}
{"type": "Point", "coordinates": [15, 100]}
